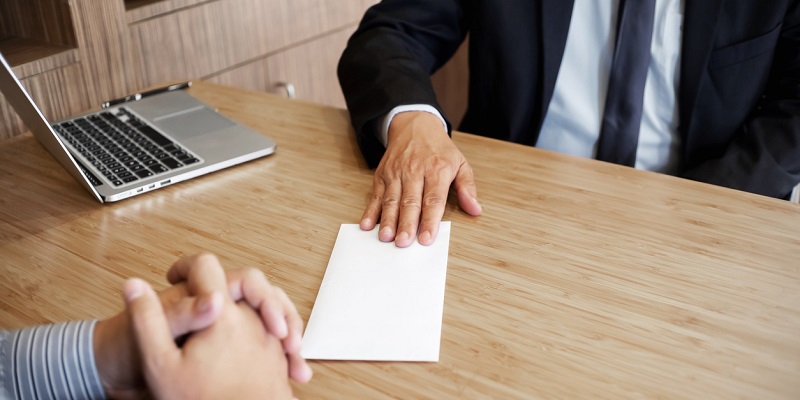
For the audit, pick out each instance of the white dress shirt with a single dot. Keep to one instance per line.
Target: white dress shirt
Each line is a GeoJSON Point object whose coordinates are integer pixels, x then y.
{"type": "Point", "coordinates": [574, 116]}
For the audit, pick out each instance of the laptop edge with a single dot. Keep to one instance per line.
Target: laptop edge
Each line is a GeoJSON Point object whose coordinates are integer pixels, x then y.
{"type": "Point", "coordinates": [33, 118]}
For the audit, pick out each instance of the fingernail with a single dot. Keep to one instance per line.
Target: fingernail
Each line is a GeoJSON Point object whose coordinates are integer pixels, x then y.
{"type": "Point", "coordinates": [402, 237]}
{"type": "Point", "coordinates": [365, 223]}
{"type": "Point", "coordinates": [133, 289]}
{"type": "Point", "coordinates": [385, 234]}
{"type": "Point", "coordinates": [424, 237]}
{"type": "Point", "coordinates": [474, 200]}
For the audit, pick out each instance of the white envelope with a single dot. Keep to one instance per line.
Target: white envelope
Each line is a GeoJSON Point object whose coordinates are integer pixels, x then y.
{"type": "Point", "coordinates": [378, 302]}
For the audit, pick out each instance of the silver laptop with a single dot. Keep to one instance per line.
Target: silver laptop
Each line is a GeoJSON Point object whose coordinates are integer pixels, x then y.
{"type": "Point", "coordinates": [141, 143]}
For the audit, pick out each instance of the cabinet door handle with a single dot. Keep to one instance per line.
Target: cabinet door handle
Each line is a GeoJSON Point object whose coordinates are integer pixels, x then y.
{"type": "Point", "coordinates": [286, 87]}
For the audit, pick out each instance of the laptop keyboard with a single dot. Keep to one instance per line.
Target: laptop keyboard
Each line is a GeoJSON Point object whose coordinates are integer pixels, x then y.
{"type": "Point", "coordinates": [122, 147]}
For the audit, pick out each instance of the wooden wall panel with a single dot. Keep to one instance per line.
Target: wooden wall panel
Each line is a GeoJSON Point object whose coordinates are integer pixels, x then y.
{"type": "Point", "coordinates": [48, 21]}
{"type": "Point", "coordinates": [310, 67]}
{"type": "Point", "coordinates": [223, 35]}
{"type": "Point", "coordinates": [59, 93]}
{"type": "Point", "coordinates": [340, 13]}
{"type": "Point", "coordinates": [28, 58]}
{"type": "Point", "coordinates": [143, 9]}
{"type": "Point", "coordinates": [110, 69]}
{"type": "Point", "coordinates": [199, 41]}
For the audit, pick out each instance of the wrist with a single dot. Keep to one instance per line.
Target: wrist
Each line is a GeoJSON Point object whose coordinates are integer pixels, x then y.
{"type": "Point", "coordinates": [116, 358]}
{"type": "Point", "coordinates": [408, 108]}
{"type": "Point", "coordinates": [407, 125]}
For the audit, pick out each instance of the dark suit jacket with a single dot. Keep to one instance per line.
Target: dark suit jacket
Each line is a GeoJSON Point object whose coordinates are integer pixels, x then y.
{"type": "Point", "coordinates": [739, 94]}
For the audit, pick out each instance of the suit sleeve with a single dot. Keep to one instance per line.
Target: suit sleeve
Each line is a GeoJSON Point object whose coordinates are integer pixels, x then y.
{"type": "Point", "coordinates": [764, 157]}
{"type": "Point", "coordinates": [389, 59]}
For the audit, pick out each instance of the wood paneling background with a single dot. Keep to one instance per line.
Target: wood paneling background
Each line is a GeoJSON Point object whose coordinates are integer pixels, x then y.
{"type": "Point", "coordinates": [306, 66]}
{"type": "Point", "coordinates": [47, 21]}
{"type": "Point", "coordinates": [104, 49]}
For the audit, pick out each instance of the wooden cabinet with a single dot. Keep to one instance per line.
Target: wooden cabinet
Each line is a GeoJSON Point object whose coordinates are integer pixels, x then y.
{"type": "Point", "coordinates": [73, 55]}
{"type": "Point", "coordinates": [309, 68]}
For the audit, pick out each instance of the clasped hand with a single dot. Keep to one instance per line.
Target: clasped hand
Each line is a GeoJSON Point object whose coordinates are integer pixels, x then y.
{"type": "Point", "coordinates": [244, 342]}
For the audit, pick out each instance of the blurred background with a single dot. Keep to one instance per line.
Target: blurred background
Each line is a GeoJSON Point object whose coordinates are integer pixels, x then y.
{"type": "Point", "coordinates": [72, 55]}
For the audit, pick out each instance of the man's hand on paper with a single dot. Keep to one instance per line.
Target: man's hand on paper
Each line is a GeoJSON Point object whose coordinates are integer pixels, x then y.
{"type": "Point", "coordinates": [411, 183]}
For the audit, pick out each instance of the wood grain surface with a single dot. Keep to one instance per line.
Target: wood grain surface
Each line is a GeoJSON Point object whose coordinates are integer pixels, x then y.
{"type": "Point", "coordinates": [581, 280]}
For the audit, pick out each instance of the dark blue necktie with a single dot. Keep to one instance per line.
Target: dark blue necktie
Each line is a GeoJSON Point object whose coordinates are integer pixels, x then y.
{"type": "Point", "coordinates": [619, 134]}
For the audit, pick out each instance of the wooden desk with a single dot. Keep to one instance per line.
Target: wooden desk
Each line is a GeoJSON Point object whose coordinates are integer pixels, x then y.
{"type": "Point", "coordinates": [581, 280]}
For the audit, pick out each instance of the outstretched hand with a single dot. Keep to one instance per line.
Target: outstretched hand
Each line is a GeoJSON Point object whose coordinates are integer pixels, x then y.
{"type": "Point", "coordinates": [411, 183]}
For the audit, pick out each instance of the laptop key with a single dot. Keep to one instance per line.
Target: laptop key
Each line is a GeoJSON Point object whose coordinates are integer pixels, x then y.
{"type": "Point", "coordinates": [151, 133]}
{"type": "Point", "coordinates": [171, 163]}
{"type": "Point", "coordinates": [158, 168]}
{"type": "Point", "coordinates": [144, 173]}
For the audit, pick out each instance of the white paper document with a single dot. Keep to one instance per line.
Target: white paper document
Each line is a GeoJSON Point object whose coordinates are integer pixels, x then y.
{"type": "Point", "coordinates": [378, 302]}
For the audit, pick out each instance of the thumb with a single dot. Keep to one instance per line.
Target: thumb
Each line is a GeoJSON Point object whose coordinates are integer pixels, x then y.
{"type": "Point", "coordinates": [464, 185]}
{"type": "Point", "coordinates": [149, 324]}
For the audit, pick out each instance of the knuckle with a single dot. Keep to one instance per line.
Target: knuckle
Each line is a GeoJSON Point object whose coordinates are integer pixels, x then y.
{"type": "Point", "coordinates": [252, 273]}
{"type": "Point", "coordinates": [433, 200]}
{"type": "Point", "coordinates": [390, 201]}
{"type": "Point", "coordinates": [411, 202]}
{"type": "Point", "coordinates": [377, 197]}
{"type": "Point", "coordinates": [377, 179]}
{"type": "Point", "coordinates": [441, 168]}
{"type": "Point", "coordinates": [205, 258]}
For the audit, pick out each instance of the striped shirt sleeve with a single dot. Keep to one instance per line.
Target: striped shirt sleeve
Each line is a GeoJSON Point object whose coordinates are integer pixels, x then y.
{"type": "Point", "coordinates": [49, 362]}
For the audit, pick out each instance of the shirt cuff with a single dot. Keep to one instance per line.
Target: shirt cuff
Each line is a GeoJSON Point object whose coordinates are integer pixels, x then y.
{"type": "Point", "coordinates": [383, 133]}
{"type": "Point", "coordinates": [50, 361]}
